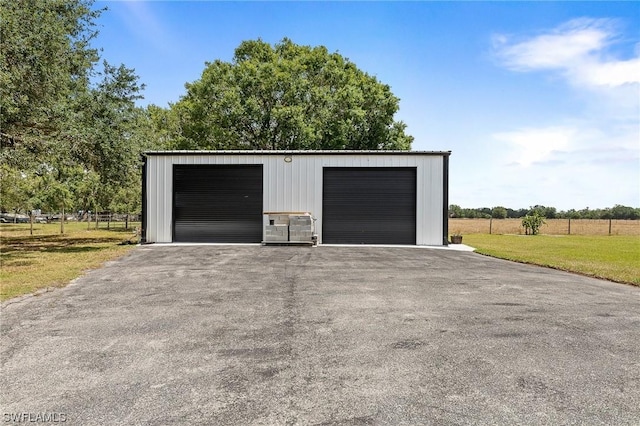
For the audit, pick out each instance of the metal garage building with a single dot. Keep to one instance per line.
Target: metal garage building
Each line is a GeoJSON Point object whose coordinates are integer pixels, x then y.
{"type": "Point", "coordinates": [356, 197]}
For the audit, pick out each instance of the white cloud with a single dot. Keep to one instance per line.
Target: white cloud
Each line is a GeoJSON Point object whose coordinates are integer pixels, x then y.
{"type": "Point", "coordinates": [578, 49]}
{"type": "Point", "coordinates": [532, 145]}
{"type": "Point", "coordinates": [572, 165]}
{"type": "Point", "coordinates": [590, 155]}
{"type": "Point", "coordinates": [614, 73]}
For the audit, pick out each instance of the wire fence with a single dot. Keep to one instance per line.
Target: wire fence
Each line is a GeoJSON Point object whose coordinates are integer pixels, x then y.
{"type": "Point", "coordinates": [456, 225]}
{"type": "Point", "coordinates": [110, 220]}
{"type": "Point", "coordinates": [551, 226]}
{"type": "Point", "coordinates": [94, 221]}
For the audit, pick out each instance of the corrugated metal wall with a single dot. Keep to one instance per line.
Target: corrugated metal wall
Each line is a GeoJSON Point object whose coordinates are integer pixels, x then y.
{"type": "Point", "coordinates": [297, 185]}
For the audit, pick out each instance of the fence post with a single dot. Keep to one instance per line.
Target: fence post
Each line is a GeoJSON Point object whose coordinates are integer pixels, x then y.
{"type": "Point", "coordinates": [569, 232]}
{"type": "Point", "coordinates": [490, 225]}
{"type": "Point", "coordinates": [609, 226]}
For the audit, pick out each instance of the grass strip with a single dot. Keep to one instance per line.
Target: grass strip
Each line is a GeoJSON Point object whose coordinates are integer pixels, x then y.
{"type": "Point", "coordinates": [615, 258]}
{"type": "Point", "coordinates": [50, 259]}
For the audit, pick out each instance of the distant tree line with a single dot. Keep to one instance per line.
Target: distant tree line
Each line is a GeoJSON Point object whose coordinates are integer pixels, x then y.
{"type": "Point", "coordinates": [616, 212]}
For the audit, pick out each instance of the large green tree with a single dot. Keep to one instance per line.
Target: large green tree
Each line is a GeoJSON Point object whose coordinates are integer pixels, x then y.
{"type": "Point", "coordinates": [106, 126]}
{"type": "Point", "coordinates": [45, 60]}
{"type": "Point", "coordinates": [287, 96]}
{"type": "Point", "coordinates": [69, 129]}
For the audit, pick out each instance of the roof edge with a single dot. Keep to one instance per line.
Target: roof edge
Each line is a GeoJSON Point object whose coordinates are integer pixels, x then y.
{"type": "Point", "coordinates": [297, 152]}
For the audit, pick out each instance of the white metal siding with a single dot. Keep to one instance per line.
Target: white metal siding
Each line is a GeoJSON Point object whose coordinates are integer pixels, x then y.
{"type": "Point", "coordinates": [297, 186]}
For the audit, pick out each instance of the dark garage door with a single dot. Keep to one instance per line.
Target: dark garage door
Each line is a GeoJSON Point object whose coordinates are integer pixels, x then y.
{"type": "Point", "coordinates": [217, 203]}
{"type": "Point", "coordinates": [369, 205]}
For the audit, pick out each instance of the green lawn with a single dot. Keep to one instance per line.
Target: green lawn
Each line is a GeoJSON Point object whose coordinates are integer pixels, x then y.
{"type": "Point", "coordinates": [49, 259]}
{"type": "Point", "coordinates": [615, 258]}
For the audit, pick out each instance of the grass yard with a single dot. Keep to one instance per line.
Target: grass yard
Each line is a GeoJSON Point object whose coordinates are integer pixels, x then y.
{"type": "Point", "coordinates": [50, 259]}
{"type": "Point", "coordinates": [615, 258]}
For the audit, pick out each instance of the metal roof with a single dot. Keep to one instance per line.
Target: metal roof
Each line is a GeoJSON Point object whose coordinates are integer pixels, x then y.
{"type": "Point", "coordinates": [298, 152]}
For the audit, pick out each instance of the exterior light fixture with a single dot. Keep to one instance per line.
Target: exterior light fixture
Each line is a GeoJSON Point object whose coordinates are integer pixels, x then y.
{"type": "Point", "coordinates": [288, 159]}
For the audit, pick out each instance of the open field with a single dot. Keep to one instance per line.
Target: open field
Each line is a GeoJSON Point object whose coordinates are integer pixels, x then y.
{"type": "Point", "coordinates": [615, 258]}
{"type": "Point", "coordinates": [50, 259]}
{"type": "Point", "coordinates": [551, 227]}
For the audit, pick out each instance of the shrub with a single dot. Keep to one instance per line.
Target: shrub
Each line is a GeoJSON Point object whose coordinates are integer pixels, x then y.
{"type": "Point", "coordinates": [532, 223]}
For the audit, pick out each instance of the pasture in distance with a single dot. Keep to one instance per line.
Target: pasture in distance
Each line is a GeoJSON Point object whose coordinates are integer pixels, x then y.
{"type": "Point", "coordinates": [551, 226]}
{"type": "Point", "coordinates": [594, 252]}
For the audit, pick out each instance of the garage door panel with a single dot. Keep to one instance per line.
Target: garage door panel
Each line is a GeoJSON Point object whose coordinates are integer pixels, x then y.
{"type": "Point", "coordinates": [369, 205]}
{"type": "Point", "coordinates": [217, 203]}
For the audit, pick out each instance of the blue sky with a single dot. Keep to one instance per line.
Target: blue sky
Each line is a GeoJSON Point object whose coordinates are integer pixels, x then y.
{"type": "Point", "coordinates": [539, 102]}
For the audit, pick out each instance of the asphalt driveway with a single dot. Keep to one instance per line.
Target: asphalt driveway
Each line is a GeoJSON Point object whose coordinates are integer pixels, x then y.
{"type": "Point", "coordinates": [330, 335]}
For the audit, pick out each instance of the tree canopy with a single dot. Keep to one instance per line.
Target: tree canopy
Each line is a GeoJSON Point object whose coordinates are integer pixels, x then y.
{"type": "Point", "coordinates": [45, 59]}
{"type": "Point", "coordinates": [69, 128]}
{"type": "Point", "coordinates": [287, 96]}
